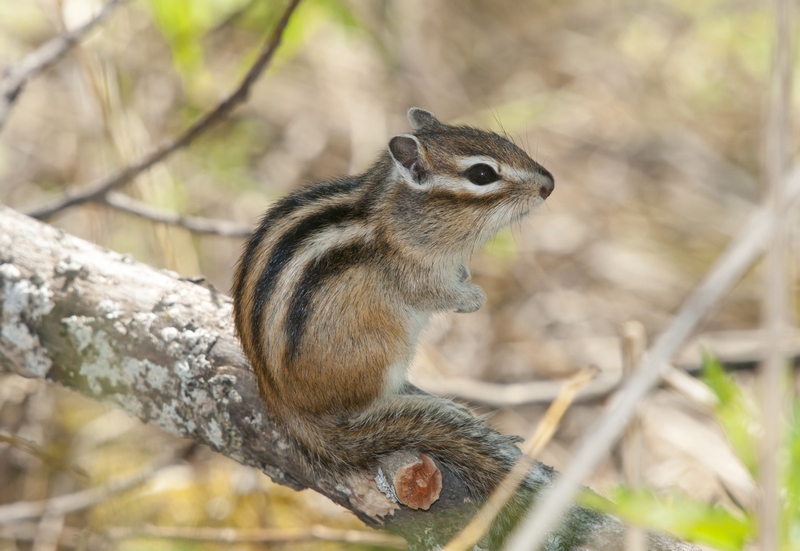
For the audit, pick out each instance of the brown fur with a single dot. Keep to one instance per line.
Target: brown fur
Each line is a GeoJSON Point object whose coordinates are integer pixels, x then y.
{"type": "Point", "coordinates": [340, 278]}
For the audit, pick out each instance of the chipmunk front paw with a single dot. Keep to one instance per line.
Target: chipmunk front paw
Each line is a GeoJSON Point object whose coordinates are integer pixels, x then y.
{"type": "Point", "coordinates": [471, 299]}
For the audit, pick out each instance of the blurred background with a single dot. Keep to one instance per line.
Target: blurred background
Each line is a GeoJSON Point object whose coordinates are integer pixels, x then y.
{"type": "Point", "coordinates": [650, 115]}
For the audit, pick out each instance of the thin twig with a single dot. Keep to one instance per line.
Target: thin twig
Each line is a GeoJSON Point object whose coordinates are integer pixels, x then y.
{"type": "Point", "coordinates": [48, 532]}
{"type": "Point", "coordinates": [47, 458]}
{"type": "Point", "coordinates": [479, 525]}
{"type": "Point", "coordinates": [95, 190]}
{"type": "Point", "coordinates": [686, 385]}
{"type": "Point", "coordinates": [513, 394]}
{"type": "Point", "coordinates": [84, 499]}
{"type": "Point", "coordinates": [776, 295]}
{"type": "Point", "coordinates": [634, 343]}
{"type": "Point", "coordinates": [735, 350]}
{"type": "Point", "coordinates": [275, 536]}
{"type": "Point", "coordinates": [227, 535]}
{"type": "Point", "coordinates": [44, 56]}
{"type": "Point", "coordinates": [599, 438]}
{"type": "Point", "coordinates": [196, 224]}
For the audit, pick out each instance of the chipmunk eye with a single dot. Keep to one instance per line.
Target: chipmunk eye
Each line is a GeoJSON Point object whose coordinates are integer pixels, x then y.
{"type": "Point", "coordinates": [481, 174]}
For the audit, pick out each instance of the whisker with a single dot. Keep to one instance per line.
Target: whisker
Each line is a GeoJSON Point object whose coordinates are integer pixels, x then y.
{"type": "Point", "coordinates": [527, 137]}
{"type": "Point", "coordinates": [497, 120]}
{"type": "Point", "coordinates": [519, 138]}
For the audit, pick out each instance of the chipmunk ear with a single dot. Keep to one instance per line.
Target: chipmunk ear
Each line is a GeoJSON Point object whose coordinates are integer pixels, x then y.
{"type": "Point", "coordinates": [419, 118]}
{"type": "Point", "coordinates": [406, 152]}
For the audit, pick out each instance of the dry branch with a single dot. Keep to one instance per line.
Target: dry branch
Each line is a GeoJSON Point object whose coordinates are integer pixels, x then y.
{"type": "Point", "coordinates": [14, 78]}
{"type": "Point", "coordinates": [196, 224]}
{"type": "Point", "coordinates": [514, 394]}
{"type": "Point", "coordinates": [634, 342]}
{"type": "Point", "coordinates": [598, 439]}
{"type": "Point", "coordinates": [96, 190]}
{"type": "Point", "coordinates": [47, 458]}
{"type": "Point", "coordinates": [84, 499]}
{"type": "Point", "coordinates": [70, 536]}
{"type": "Point", "coordinates": [163, 349]}
{"type": "Point", "coordinates": [776, 295]}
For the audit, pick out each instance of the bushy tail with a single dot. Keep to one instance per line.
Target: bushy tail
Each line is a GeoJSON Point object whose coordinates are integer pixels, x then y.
{"type": "Point", "coordinates": [449, 433]}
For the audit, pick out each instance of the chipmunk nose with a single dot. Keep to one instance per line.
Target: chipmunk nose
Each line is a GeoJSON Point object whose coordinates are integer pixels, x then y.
{"type": "Point", "coordinates": [546, 185]}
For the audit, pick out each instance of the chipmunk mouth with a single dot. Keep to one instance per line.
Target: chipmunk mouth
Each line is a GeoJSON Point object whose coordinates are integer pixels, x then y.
{"type": "Point", "coordinates": [528, 204]}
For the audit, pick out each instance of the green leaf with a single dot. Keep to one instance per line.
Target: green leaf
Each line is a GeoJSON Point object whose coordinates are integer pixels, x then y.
{"type": "Point", "coordinates": [791, 481]}
{"type": "Point", "coordinates": [312, 15]}
{"type": "Point", "coordinates": [184, 23]}
{"type": "Point", "coordinates": [678, 515]}
{"type": "Point", "coordinates": [736, 413]}
{"type": "Point", "coordinates": [175, 19]}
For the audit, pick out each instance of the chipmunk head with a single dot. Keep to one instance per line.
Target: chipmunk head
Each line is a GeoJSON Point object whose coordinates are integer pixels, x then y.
{"type": "Point", "coordinates": [474, 182]}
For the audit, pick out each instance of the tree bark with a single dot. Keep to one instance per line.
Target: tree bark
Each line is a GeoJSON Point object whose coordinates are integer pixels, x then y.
{"type": "Point", "coordinates": [163, 349]}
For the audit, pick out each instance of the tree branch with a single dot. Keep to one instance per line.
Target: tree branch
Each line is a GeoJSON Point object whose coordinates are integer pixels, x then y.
{"type": "Point", "coordinates": [14, 78]}
{"type": "Point", "coordinates": [196, 224]}
{"type": "Point", "coordinates": [96, 190]}
{"type": "Point", "coordinates": [163, 349]}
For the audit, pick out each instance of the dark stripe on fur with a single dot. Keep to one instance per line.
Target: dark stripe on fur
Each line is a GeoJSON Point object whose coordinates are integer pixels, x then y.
{"type": "Point", "coordinates": [286, 248]}
{"type": "Point", "coordinates": [327, 266]}
{"type": "Point", "coordinates": [281, 209]}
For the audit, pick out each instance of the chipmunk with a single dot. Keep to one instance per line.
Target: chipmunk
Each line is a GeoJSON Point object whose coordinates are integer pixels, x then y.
{"type": "Point", "coordinates": [336, 284]}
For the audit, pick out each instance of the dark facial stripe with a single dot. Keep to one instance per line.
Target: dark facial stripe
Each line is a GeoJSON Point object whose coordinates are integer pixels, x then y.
{"type": "Point", "coordinates": [286, 248]}
{"type": "Point", "coordinates": [329, 265]}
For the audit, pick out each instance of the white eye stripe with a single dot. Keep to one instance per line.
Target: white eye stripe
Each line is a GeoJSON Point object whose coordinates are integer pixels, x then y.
{"type": "Point", "coordinates": [466, 162]}
{"type": "Point", "coordinates": [520, 174]}
{"type": "Point", "coordinates": [506, 172]}
{"type": "Point", "coordinates": [462, 184]}
{"type": "Point", "coordinates": [486, 188]}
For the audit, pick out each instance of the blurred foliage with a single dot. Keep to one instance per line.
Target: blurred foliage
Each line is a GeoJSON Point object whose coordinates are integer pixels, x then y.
{"type": "Point", "coordinates": [186, 23]}
{"type": "Point", "coordinates": [710, 523]}
{"type": "Point", "coordinates": [736, 412]}
{"type": "Point", "coordinates": [679, 515]}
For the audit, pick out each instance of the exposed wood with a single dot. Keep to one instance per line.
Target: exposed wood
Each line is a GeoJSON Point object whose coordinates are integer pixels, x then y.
{"type": "Point", "coordinates": [415, 479]}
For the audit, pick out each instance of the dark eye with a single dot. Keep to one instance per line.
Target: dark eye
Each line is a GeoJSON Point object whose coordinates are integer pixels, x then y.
{"type": "Point", "coordinates": [481, 174]}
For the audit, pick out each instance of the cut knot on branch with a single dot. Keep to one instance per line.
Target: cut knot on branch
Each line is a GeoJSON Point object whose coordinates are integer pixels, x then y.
{"type": "Point", "coordinates": [414, 478]}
